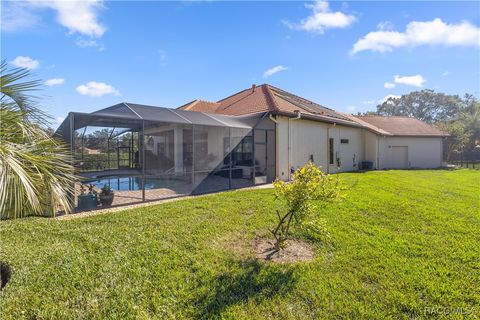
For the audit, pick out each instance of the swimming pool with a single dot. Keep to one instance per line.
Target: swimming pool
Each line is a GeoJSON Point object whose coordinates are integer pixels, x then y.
{"type": "Point", "coordinates": [135, 183]}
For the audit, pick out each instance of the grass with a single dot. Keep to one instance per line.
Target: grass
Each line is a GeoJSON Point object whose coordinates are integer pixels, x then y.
{"type": "Point", "coordinates": [403, 244]}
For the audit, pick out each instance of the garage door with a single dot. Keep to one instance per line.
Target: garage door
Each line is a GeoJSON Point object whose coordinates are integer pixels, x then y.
{"type": "Point", "coordinates": [399, 157]}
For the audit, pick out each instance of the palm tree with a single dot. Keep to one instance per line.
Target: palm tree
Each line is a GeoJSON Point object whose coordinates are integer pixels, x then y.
{"type": "Point", "coordinates": [36, 176]}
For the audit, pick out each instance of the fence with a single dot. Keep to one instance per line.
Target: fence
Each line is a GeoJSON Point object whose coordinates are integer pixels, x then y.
{"type": "Point", "coordinates": [470, 164]}
{"type": "Point", "coordinates": [466, 158]}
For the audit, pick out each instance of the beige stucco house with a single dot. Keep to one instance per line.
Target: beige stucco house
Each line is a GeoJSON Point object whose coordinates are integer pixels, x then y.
{"type": "Point", "coordinates": [305, 130]}
{"type": "Point", "coordinates": [251, 137]}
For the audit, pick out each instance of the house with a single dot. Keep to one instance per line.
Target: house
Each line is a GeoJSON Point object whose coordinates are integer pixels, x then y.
{"type": "Point", "coordinates": [251, 137]}
{"type": "Point", "coordinates": [336, 141]}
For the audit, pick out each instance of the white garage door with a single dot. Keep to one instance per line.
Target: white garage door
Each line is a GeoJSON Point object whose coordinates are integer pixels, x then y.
{"type": "Point", "coordinates": [399, 157]}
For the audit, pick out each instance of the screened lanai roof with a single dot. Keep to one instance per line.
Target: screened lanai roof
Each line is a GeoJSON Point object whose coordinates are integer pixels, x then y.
{"type": "Point", "coordinates": [131, 115]}
{"type": "Point", "coordinates": [158, 114]}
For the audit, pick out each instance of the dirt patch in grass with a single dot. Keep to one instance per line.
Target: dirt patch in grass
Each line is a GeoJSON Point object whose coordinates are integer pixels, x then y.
{"type": "Point", "coordinates": [294, 251]}
{"type": "Point", "coordinates": [234, 242]}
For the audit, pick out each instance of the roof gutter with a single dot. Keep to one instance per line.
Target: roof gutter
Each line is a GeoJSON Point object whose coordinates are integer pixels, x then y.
{"type": "Point", "coordinates": [320, 118]}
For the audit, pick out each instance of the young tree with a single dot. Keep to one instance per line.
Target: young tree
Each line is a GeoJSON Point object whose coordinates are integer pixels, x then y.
{"type": "Point", "coordinates": [309, 189]}
{"type": "Point", "coordinates": [35, 173]}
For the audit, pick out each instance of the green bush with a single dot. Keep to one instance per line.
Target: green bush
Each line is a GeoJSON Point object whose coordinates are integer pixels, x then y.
{"type": "Point", "coordinates": [302, 197]}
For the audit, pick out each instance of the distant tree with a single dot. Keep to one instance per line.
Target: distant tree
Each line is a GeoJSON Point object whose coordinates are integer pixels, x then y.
{"type": "Point", "coordinates": [458, 139]}
{"type": "Point", "coordinates": [426, 105]}
{"type": "Point", "coordinates": [98, 139]}
{"type": "Point", "coordinates": [470, 118]}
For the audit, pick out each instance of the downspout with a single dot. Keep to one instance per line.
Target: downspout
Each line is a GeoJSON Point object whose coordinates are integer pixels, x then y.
{"type": "Point", "coordinates": [290, 166]}
{"type": "Point", "coordinates": [270, 116]}
{"type": "Point", "coordinates": [378, 152]}
{"type": "Point", "coordinates": [277, 170]}
{"type": "Point", "coordinates": [328, 146]}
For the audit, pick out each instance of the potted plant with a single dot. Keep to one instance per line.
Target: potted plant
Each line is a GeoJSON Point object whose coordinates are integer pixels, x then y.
{"type": "Point", "coordinates": [106, 195]}
{"type": "Point", "coordinates": [88, 197]}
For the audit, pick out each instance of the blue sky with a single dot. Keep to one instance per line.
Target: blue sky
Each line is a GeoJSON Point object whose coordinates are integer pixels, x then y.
{"type": "Point", "coordinates": [344, 55]}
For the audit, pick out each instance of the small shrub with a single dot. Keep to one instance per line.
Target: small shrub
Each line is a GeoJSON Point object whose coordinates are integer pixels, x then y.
{"type": "Point", "coordinates": [302, 197]}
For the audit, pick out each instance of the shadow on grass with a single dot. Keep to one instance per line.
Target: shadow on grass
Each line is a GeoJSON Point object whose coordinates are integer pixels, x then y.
{"type": "Point", "coordinates": [253, 281]}
{"type": "Point", "coordinates": [5, 274]}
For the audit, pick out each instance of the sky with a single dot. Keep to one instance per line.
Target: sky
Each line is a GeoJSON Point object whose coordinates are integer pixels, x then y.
{"type": "Point", "coordinates": [348, 56]}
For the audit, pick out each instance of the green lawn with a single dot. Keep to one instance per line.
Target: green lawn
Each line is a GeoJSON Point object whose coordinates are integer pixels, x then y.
{"type": "Point", "coordinates": [401, 244]}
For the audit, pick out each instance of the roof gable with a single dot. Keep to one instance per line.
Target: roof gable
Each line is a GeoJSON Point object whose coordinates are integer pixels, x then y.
{"type": "Point", "coordinates": [200, 106]}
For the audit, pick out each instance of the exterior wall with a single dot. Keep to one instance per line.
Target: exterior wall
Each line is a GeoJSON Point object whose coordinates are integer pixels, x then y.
{"type": "Point", "coordinates": [371, 148]}
{"type": "Point", "coordinates": [351, 153]}
{"type": "Point", "coordinates": [423, 152]}
{"type": "Point", "coordinates": [309, 139]}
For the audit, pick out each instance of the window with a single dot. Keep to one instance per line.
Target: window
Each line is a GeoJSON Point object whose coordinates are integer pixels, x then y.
{"type": "Point", "coordinates": [343, 140]}
{"type": "Point", "coordinates": [330, 150]}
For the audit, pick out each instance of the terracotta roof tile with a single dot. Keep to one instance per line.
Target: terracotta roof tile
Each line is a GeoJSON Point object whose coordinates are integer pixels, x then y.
{"type": "Point", "coordinates": [402, 126]}
{"type": "Point", "coordinates": [367, 125]}
{"type": "Point", "coordinates": [267, 98]}
{"type": "Point", "coordinates": [200, 106]}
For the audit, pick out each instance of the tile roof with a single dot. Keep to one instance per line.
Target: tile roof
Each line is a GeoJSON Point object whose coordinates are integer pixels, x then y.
{"type": "Point", "coordinates": [367, 125]}
{"type": "Point", "coordinates": [402, 126]}
{"type": "Point", "coordinates": [200, 106]}
{"type": "Point", "coordinates": [267, 98]}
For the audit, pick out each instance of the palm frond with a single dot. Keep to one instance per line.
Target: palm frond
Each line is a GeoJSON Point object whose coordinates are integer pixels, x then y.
{"type": "Point", "coordinates": [20, 93]}
{"type": "Point", "coordinates": [36, 176]}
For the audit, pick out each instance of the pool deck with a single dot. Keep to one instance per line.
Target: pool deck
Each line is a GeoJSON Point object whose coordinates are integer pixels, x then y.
{"type": "Point", "coordinates": [121, 207]}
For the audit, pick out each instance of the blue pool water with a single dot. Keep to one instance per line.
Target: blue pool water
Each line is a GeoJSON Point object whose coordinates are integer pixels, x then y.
{"type": "Point", "coordinates": [134, 183]}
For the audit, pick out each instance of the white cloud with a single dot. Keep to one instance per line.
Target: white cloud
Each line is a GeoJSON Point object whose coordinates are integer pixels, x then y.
{"type": "Point", "coordinates": [25, 62]}
{"type": "Point", "coordinates": [272, 71]}
{"type": "Point", "coordinates": [446, 73]}
{"type": "Point", "coordinates": [96, 89]}
{"type": "Point", "coordinates": [385, 25]}
{"type": "Point", "coordinates": [60, 119]}
{"type": "Point", "coordinates": [78, 16]}
{"type": "Point", "coordinates": [86, 43]}
{"type": "Point", "coordinates": [17, 15]}
{"type": "Point", "coordinates": [389, 85]}
{"type": "Point", "coordinates": [416, 80]}
{"type": "Point", "coordinates": [322, 18]}
{"type": "Point", "coordinates": [89, 43]}
{"type": "Point", "coordinates": [54, 81]}
{"type": "Point", "coordinates": [351, 108]}
{"type": "Point", "coordinates": [388, 97]}
{"type": "Point", "coordinates": [417, 33]}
